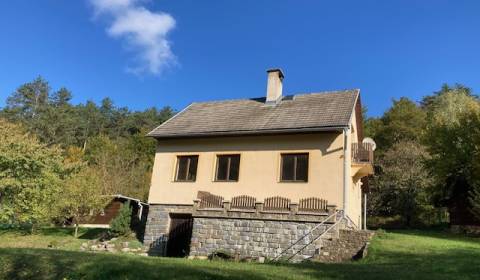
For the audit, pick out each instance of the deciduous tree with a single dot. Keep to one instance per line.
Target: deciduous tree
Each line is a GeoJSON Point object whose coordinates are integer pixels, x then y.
{"type": "Point", "coordinates": [81, 197]}
{"type": "Point", "coordinates": [31, 176]}
{"type": "Point", "coordinates": [452, 139]}
{"type": "Point", "coordinates": [402, 182]}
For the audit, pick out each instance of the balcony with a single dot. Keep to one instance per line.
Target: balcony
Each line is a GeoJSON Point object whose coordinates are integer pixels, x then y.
{"type": "Point", "coordinates": [362, 160]}
{"type": "Point", "coordinates": [362, 153]}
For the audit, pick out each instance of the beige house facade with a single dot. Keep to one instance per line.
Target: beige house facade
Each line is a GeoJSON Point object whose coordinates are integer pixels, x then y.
{"type": "Point", "coordinates": [294, 147]}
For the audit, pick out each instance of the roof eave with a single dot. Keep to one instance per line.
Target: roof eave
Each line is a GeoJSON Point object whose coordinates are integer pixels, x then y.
{"type": "Point", "coordinates": [151, 133]}
{"type": "Point", "coordinates": [250, 132]}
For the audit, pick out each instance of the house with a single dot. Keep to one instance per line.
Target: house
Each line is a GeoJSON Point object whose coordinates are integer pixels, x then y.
{"type": "Point", "coordinates": [236, 174]}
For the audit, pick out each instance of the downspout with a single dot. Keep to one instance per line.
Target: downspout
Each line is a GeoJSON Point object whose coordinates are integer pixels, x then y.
{"type": "Point", "coordinates": [140, 210]}
{"type": "Point", "coordinates": [365, 211]}
{"type": "Point", "coordinates": [346, 168]}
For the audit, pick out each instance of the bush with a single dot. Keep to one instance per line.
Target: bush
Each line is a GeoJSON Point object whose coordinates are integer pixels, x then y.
{"type": "Point", "coordinates": [120, 225]}
{"type": "Point", "coordinates": [221, 255]}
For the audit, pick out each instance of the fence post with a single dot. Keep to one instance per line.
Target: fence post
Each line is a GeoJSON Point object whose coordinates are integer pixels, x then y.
{"type": "Point", "coordinates": [293, 208]}
{"type": "Point", "coordinates": [226, 206]}
{"type": "Point", "coordinates": [330, 210]}
{"type": "Point", "coordinates": [196, 204]}
{"type": "Point", "coordinates": [259, 207]}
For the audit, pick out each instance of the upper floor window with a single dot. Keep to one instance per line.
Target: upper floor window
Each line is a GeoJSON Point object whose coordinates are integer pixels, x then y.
{"type": "Point", "coordinates": [186, 168]}
{"type": "Point", "coordinates": [227, 168]}
{"type": "Point", "coordinates": [294, 167]}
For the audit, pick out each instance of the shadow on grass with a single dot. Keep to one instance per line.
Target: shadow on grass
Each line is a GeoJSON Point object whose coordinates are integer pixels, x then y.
{"type": "Point", "coordinates": [452, 264]}
{"type": "Point", "coordinates": [92, 233]}
{"type": "Point", "coordinates": [84, 233]}
{"type": "Point", "coordinates": [439, 234]}
{"type": "Point", "coordinates": [53, 264]}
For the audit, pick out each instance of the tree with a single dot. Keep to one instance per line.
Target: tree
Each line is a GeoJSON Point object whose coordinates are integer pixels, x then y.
{"type": "Point", "coordinates": [120, 225]}
{"type": "Point", "coordinates": [401, 185]}
{"type": "Point", "coordinates": [404, 121]}
{"type": "Point", "coordinates": [56, 121]}
{"type": "Point", "coordinates": [29, 99]}
{"type": "Point", "coordinates": [61, 98]}
{"type": "Point", "coordinates": [30, 176]}
{"type": "Point", "coordinates": [81, 197]}
{"type": "Point", "coordinates": [429, 100]}
{"type": "Point", "coordinates": [124, 164]}
{"type": "Point", "coordinates": [474, 200]}
{"type": "Point", "coordinates": [111, 137]}
{"type": "Point", "coordinates": [452, 139]}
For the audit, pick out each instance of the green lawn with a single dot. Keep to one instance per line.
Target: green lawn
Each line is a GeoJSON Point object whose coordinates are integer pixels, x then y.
{"type": "Point", "coordinates": [392, 255]}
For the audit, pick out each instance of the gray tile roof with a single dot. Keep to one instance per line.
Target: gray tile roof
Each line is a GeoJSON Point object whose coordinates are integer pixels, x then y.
{"type": "Point", "coordinates": [302, 112]}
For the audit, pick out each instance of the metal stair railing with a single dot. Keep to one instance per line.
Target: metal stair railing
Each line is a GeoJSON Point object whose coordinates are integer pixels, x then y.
{"type": "Point", "coordinates": [318, 237]}
{"type": "Point", "coordinates": [308, 233]}
{"type": "Point", "coordinates": [350, 221]}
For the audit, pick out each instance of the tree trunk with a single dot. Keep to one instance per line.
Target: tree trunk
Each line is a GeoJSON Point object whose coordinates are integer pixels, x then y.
{"type": "Point", "coordinates": [75, 222]}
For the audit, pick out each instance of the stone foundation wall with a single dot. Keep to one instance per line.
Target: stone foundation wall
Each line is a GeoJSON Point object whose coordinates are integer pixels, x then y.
{"type": "Point", "coordinates": [257, 235]}
{"type": "Point", "coordinates": [249, 238]}
{"type": "Point", "coordinates": [157, 227]}
{"type": "Point", "coordinates": [350, 244]}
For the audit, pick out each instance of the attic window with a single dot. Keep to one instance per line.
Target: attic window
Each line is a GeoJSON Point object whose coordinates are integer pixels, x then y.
{"type": "Point", "coordinates": [294, 168]}
{"type": "Point", "coordinates": [186, 168]}
{"type": "Point", "coordinates": [228, 167]}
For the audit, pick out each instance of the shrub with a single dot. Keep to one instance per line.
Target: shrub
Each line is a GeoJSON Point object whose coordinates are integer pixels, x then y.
{"type": "Point", "coordinates": [120, 225]}
{"type": "Point", "coordinates": [221, 255]}
{"type": "Point", "coordinates": [53, 244]}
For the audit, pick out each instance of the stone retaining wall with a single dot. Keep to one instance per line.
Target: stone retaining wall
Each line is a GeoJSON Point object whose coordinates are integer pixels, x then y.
{"type": "Point", "coordinates": [251, 238]}
{"type": "Point", "coordinates": [256, 235]}
{"type": "Point", "coordinates": [158, 221]}
{"type": "Point", "coordinates": [350, 244]}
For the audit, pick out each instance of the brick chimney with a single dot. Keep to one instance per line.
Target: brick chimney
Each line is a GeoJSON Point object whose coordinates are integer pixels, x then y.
{"type": "Point", "coordinates": [274, 86]}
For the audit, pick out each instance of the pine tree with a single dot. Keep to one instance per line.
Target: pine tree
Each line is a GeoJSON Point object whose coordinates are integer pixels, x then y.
{"type": "Point", "coordinates": [120, 225]}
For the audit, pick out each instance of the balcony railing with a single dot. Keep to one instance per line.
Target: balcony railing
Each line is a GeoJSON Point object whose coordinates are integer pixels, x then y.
{"type": "Point", "coordinates": [362, 153]}
{"type": "Point", "coordinates": [208, 201]}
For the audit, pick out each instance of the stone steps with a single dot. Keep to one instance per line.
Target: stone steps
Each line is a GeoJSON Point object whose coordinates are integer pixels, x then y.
{"type": "Point", "coordinates": [313, 243]}
{"type": "Point", "coordinates": [349, 245]}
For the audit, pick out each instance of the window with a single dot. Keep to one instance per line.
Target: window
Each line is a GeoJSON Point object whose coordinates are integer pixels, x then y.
{"type": "Point", "coordinates": [227, 168]}
{"type": "Point", "coordinates": [186, 168]}
{"type": "Point", "coordinates": [294, 168]}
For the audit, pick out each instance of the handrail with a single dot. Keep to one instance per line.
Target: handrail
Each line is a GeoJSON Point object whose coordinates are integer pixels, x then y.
{"type": "Point", "coordinates": [310, 231]}
{"type": "Point", "coordinates": [318, 237]}
{"type": "Point", "coordinates": [351, 221]}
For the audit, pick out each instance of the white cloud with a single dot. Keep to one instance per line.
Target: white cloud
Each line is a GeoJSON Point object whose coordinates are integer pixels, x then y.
{"type": "Point", "coordinates": [144, 31]}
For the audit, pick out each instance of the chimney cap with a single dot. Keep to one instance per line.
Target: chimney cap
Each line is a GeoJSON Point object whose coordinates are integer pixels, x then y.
{"type": "Point", "coordinates": [280, 72]}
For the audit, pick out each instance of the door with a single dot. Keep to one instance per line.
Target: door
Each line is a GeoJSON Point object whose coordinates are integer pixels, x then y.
{"type": "Point", "coordinates": [180, 234]}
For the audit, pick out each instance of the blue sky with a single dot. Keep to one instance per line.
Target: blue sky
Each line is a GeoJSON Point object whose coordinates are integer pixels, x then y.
{"type": "Point", "coordinates": [173, 52]}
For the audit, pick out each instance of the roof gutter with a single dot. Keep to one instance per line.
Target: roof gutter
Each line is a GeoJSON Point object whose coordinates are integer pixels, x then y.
{"type": "Point", "coordinates": [139, 203]}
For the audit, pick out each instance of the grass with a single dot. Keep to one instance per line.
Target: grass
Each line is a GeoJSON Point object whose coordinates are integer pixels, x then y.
{"type": "Point", "coordinates": [59, 238]}
{"type": "Point", "coordinates": [392, 255]}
